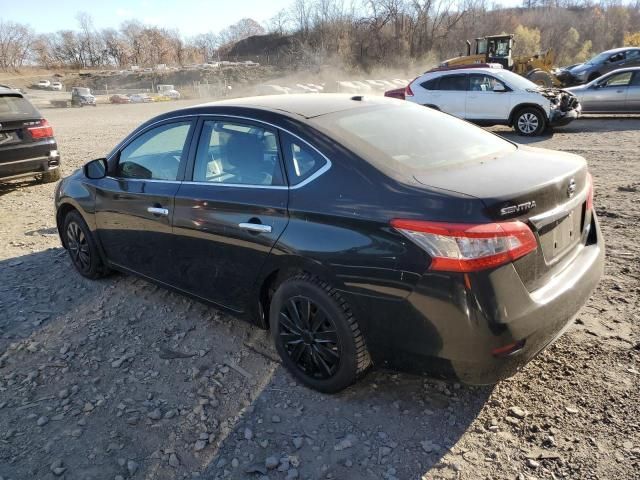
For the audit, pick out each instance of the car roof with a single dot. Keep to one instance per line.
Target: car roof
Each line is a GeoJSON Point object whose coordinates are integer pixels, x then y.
{"type": "Point", "coordinates": [467, 70]}
{"type": "Point", "coordinates": [621, 49]}
{"type": "Point", "coordinates": [7, 89]}
{"type": "Point", "coordinates": [307, 105]}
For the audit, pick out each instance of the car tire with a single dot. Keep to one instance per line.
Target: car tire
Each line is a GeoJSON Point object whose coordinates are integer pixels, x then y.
{"type": "Point", "coordinates": [82, 247]}
{"type": "Point", "coordinates": [317, 335]}
{"type": "Point", "coordinates": [529, 122]}
{"type": "Point", "coordinates": [540, 77]}
{"type": "Point", "coordinates": [51, 176]}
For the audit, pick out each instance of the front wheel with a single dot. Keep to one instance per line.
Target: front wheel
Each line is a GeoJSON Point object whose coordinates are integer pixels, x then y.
{"type": "Point", "coordinates": [529, 122]}
{"type": "Point", "coordinates": [82, 247]}
{"type": "Point", "coordinates": [317, 335]}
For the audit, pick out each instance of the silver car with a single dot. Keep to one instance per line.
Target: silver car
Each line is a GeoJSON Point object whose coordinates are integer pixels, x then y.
{"type": "Point", "coordinates": [615, 92]}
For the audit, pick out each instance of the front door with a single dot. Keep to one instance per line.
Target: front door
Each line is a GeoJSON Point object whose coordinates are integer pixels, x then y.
{"type": "Point", "coordinates": [134, 204]}
{"type": "Point", "coordinates": [483, 103]}
{"type": "Point", "coordinates": [231, 213]}
{"type": "Point", "coordinates": [611, 94]}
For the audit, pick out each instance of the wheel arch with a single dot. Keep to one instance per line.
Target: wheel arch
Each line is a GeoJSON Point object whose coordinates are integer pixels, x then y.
{"type": "Point", "coordinates": [521, 106]}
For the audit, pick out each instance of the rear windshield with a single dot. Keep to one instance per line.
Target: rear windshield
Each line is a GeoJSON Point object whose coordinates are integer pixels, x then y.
{"type": "Point", "coordinates": [409, 138]}
{"type": "Point", "coordinates": [15, 107]}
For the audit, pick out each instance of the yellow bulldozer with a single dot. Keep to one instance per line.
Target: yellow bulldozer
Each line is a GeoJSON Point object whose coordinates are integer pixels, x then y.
{"type": "Point", "coordinates": [498, 49]}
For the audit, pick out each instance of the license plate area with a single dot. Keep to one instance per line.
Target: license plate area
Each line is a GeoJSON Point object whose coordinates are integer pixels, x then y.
{"type": "Point", "coordinates": [563, 236]}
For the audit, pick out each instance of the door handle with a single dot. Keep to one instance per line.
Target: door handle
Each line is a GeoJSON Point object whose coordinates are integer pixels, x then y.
{"type": "Point", "coordinates": [619, 91]}
{"type": "Point", "coordinates": [255, 227]}
{"type": "Point", "coordinates": [163, 212]}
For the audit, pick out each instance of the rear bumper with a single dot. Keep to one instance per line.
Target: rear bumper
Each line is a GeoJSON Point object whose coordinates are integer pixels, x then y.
{"type": "Point", "coordinates": [30, 166]}
{"type": "Point", "coordinates": [447, 329]}
{"type": "Point", "coordinates": [559, 118]}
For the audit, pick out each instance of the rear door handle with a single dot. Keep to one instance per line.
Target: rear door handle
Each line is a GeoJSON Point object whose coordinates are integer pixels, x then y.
{"type": "Point", "coordinates": [255, 227]}
{"type": "Point", "coordinates": [163, 212]}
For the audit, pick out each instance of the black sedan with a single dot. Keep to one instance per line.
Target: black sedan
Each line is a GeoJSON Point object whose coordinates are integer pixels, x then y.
{"type": "Point", "coordinates": [361, 231]}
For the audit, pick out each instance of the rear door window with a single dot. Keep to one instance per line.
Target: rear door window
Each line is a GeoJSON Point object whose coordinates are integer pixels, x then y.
{"type": "Point", "coordinates": [453, 83]}
{"type": "Point", "coordinates": [16, 107]}
{"type": "Point", "coordinates": [237, 153]}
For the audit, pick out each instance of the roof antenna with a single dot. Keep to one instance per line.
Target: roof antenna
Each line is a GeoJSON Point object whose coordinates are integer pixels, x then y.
{"type": "Point", "coordinates": [357, 98]}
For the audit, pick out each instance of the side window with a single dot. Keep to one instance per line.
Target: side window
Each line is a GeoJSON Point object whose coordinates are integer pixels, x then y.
{"type": "Point", "coordinates": [636, 79]}
{"type": "Point", "coordinates": [633, 55]}
{"type": "Point", "coordinates": [616, 57]}
{"type": "Point", "coordinates": [430, 84]}
{"type": "Point", "coordinates": [483, 83]}
{"type": "Point", "coordinates": [236, 153]}
{"type": "Point", "coordinates": [156, 154]}
{"type": "Point", "coordinates": [301, 160]}
{"type": "Point", "coordinates": [453, 82]}
{"type": "Point", "coordinates": [620, 80]}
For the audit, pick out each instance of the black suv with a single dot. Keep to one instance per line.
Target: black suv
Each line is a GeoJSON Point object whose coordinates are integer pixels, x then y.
{"type": "Point", "coordinates": [27, 146]}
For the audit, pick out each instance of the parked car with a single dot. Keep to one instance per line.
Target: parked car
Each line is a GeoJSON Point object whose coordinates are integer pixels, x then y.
{"type": "Point", "coordinates": [118, 98]}
{"type": "Point", "coordinates": [81, 96]}
{"type": "Point", "coordinates": [599, 65]}
{"type": "Point", "coordinates": [169, 91]}
{"type": "Point", "coordinates": [27, 144]}
{"type": "Point", "coordinates": [615, 92]}
{"type": "Point", "coordinates": [491, 96]}
{"type": "Point", "coordinates": [57, 86]}
{"type": "Point", "coordinates": [361, 231]}
{"type": "Point", "coordinates": [140, 98]}
{"type": "Point", "coordinates": [43, 84]}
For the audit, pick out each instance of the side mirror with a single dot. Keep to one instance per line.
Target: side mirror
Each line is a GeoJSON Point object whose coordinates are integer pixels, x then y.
{"type": "Point", "coordinates": [498, 87]}
{"type": "Point", "coordinates": [96, 169]}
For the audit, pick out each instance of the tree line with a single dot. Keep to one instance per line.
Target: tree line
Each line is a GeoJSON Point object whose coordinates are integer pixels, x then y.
{"type": "Point", "coordinates": [355, 34]}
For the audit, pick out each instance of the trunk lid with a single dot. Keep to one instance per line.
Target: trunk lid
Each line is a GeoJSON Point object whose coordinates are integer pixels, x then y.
{"type": "Point", "coordinates": [545, 189]}
{"type": "Point", "coordinates": [16, 141]}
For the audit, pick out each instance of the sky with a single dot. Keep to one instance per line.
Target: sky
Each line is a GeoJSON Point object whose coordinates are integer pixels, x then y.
{"type": "Point", "coordinates": [190, 17]}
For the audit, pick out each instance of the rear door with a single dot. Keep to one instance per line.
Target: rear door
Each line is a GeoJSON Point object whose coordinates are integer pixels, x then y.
{"type": "Point", "coordinates": [231, 210]}
{"type": "Point", "coordinates": [134, 204]}
{"type": "Point", "coordinates": [482, 103]}
{"type": "Point", "coordinates": [450, 95]}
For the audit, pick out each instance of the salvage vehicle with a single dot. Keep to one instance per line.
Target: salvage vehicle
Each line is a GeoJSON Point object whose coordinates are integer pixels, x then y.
{"type": "Point", "coordinates": [599, 65]}
{"type": "Point", "coordinates": [45, 84]}
{"type": "Point", "coordinates": [360, 230]}
{"type": "Point", "coordinates": [140, 98]}
{"type": "Point", "coordinates": [56, 86]}
{"type": "Point", "coordinates": [169, 91]}
{"type": "Point", "coordinates": [119, 98]}
{"type": "Point", "coordinates": [492, 96]}
{"type": "Point", "coordinates": [81, 96]}
{"type": "Point", "coordinates": [616, 92]}
{"type": "Point", "coordinates": [27, 145]}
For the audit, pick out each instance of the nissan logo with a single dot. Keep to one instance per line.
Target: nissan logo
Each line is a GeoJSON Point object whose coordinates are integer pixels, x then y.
{"type": "Point", "coordinates": [571, 189]}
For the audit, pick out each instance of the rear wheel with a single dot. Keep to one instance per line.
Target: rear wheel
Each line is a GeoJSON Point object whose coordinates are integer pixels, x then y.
{"type": "Point", "coordinates": [316, 334]}
{"type": "Point", "coordinates": [529, 122]}
{"type": "Point", "coordinates": [82, 247]}
{"type": "Point", "coordinates": [51, 176]}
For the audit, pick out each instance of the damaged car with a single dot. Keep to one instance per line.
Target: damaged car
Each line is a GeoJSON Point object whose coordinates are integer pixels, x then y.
{"type": "Point", "coordinates": [491, 96]}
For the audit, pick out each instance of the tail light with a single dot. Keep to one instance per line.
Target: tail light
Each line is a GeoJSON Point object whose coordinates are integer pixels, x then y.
{"type": "Point", "coordinates": [41, 130]}
{"type": "Point", "coordinates": [407, 90]}
{"type": "Point", "coordinates": [589, 192]}
{"type": "Point", "coordinates": [460, 247]}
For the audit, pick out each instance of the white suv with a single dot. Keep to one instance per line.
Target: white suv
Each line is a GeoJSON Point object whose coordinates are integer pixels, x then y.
{"type": "Point", "coordinates": [492, 96]}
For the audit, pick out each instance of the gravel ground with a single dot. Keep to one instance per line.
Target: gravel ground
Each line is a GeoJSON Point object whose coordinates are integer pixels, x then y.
{"type": "Point", "coordinates": [120, 379]}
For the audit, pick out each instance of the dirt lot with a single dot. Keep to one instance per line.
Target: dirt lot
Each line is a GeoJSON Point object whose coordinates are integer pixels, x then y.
{"type": "Point", "coordinates": [122, 379]}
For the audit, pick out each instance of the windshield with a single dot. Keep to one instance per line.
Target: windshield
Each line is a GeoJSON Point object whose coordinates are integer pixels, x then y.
{"type": "Point", "coordinates": [15, 107]}
{"type": "Point", "coordinates": [601, 57]}
{"type": "Point", "coordinates": [409, 138]}
{"type": "Point", "coordinates": [514, 80]}
{"type": "Point", "coordinates": [83, 91]}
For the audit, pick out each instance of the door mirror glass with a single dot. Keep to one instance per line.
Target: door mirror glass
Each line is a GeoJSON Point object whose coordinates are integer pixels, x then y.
{"type": "Point", "coordinates": [96, 169]}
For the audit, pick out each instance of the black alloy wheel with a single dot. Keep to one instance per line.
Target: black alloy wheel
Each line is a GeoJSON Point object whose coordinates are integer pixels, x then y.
{"type": "Point", "coordinates": [78, 247]}
{"type": "Point", "coordinates": [316, 334]}
{"type": "Point", "coordinates": [82, 247]}
{"type": "Point", "coordinates": [309, 337]}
